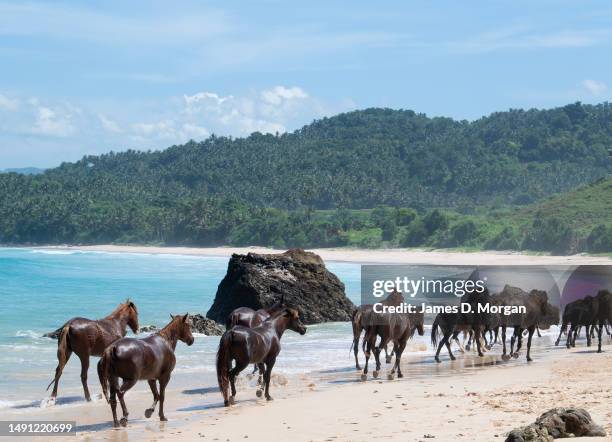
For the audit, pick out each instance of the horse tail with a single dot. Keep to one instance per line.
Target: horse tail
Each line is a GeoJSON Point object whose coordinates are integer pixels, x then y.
{"type": "Point", "coordinates": [356, 323]}
{"type": "Point", "coordinates": [223, 363]}
{"type": "Point", "coordinates": [103, 370]}
{"type": "Point", "coordinates": [434, 331]}
{"type": "Point", "coordinates": [62, 351]}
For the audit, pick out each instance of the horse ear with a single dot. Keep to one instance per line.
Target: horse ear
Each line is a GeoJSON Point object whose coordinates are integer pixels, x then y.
{"type": "Point", "coordinates": [186, 317]}
{"type": "Point", "coordinates": [171, 316]}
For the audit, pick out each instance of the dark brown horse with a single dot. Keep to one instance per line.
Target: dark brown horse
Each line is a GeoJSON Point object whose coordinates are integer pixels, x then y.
{"type": "Point", "coordinates": [538, 312]}
{"type": "Point", "coordinates": [248, 317]}
{"type": "Point", "coordinates": [604, 314]}
{"type": "Point", "coordinates": [472, 320]}
{"type": "Point", "coordinates": [87, 337]}
{"type": "Point", "coordinates": [151, 359]}
{"type": "Point", "coordinates": [391, 327]}
{"type": "Point", "coordinates": [258, 345]}
{"type": "Point", "coordinates": [358, 321]}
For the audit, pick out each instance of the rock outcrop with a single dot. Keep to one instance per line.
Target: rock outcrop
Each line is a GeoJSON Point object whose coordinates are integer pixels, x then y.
{"type": "Point", "coordinates": [256, 281]}
{"type": "Point", "coordinates": [558, 423]}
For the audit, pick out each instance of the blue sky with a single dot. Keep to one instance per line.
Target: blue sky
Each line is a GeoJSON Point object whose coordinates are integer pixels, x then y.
{"type": "Point", "coordinates": [81, 78]}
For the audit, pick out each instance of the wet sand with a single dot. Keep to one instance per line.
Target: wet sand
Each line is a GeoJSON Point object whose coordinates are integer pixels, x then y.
{"type": "Point", "coordinates": [383, 256]}
{"type": "Point", "coordinates": [469, 399]}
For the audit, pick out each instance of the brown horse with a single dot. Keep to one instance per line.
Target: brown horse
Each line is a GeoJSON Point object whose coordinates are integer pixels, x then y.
{"type": "Point", "coordinates": [151, 359]}
{"type": "Point", "coordinates": [359, 319]}
{"type": "Point", "coordinates": [538, 312]}
{"type": "Point", "coordinates": [391, 327]}
{"type": "Point", "coordinates": [87, 337]}
{"type": "Point", "coordinates": [248, 317]}
{"type": "Point", "coordinates": [258, 345]}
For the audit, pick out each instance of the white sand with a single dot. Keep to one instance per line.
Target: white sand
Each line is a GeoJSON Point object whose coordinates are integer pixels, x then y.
{"type": "Point", "coordinates": [399, 256]}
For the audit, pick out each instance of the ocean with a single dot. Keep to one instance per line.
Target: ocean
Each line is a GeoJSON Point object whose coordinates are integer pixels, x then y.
{"type": "Point", "coordinates": [40, 289]}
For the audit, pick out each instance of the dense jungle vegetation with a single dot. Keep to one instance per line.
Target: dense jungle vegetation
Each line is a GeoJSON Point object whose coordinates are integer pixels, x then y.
{"type": "Point", "coordinates": [370, 178]}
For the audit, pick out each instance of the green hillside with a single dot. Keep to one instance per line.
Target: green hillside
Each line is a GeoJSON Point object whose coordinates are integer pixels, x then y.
{"type": "Point", "coordinates": [317, 185]}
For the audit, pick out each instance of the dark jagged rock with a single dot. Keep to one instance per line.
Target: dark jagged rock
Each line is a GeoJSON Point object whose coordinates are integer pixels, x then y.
{"type": "Point", "coordinates": [148, 329]}
{"type": "Point", "coordinates": [200, 324]}
{"type": "Point", "coordinates": [256, 281]}
{"type": "Point", "coordinates": [558, 423]}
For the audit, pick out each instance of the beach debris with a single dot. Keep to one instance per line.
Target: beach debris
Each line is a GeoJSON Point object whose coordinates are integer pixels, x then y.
{"type": "Point", "coordinates": [257, 280]}
{"type": "Point", "coordinates": [558, 423]}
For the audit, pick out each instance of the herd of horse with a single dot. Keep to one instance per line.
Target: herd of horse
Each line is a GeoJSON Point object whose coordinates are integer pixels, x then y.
{"type": "Point", "coordinates": [253, 337]}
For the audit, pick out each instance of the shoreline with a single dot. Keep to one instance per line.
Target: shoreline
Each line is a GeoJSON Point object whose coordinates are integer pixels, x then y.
{"type": "Point", "coordinates": [362, 256]}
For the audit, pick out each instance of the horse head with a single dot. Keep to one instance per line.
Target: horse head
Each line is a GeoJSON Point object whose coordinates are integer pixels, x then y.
{"type": "Point", "coordinates": [183, 326]}
{"type": "Point", "coordinates": [294, 320]}
{"type": "Point", "coordinates": [132, 314]}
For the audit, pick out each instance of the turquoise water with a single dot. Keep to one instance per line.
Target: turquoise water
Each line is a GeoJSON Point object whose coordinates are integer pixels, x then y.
{"type": "Point", "coordinates": [41, 289]}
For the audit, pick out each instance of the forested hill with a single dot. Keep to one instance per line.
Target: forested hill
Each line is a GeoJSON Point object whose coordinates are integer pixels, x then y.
{"type": "Point", "coordinates": [376, 156]}
{"type": "Point", "coordinates": [204, 193]}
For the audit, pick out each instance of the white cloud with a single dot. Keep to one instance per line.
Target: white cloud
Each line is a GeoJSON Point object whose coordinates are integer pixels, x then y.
{"type": "Point", "coordinates": [205, 96]}
{"type": "Point", "coordinates": [109, 125]}
{"type": "Point", "coordinates": [279, 93]}
{"type": "Point", "coordinates": [160, 129]}
{"type": "Point", "coordinates": [7, 103]}
{"type": "Point", "coordinates": [595, 87]}
{"type": "Point", "coordinates": [50, 122]}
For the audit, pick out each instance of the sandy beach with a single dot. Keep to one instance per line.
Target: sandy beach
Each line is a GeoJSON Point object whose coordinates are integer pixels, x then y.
{"type": "Point", "coordinates": [471, 399]}
{"type": "Point", "coordinates": [382, 256]}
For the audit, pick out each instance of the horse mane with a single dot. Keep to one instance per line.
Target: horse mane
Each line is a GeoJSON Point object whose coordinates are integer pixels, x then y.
{"type": "Point", "coordinates": [121, 308]}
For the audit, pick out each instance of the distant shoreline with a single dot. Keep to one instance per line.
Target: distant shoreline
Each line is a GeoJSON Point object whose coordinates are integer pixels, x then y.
{"type": "Point", "coordinates": [363, 256]}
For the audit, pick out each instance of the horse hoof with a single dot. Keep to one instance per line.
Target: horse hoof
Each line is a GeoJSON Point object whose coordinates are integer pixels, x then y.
{"type": "Point", "coordinates": [529, 359]}
{"type": "Point", "coordinates": [388, 360]}
{"type": "Point", "coordinates": [357, 367]}
{"type": "Point", "coordinates": [453, 358]}
{"type": "Point", "coordinates": [438, 360]}
{"type": "Point", "coordinates": [259, 393]}
{"type": "Point", "coordinates": [232, 401]}
{"type": "Point", "coordinates": [375, 374]}
{"type": "Point", "coordinates": [123, 422]}
{"type": "Point", "coordinates": [515, 355]}
{"type": "Point", "coordinates": [400, 375]}
{"type": "Point", "coordinates": [505, 357]}
{"type": "Point", "coordinates": [269, 398]}
{"type": "Point", "coordinates": [148, 413]}
{"type": "Point", "coordinates": [163, 419]}
{"type": "Point", "coordinates": [364, 377]}
{"type": "Point", "coordinates": [390, 376]}
{"type": "Point", "coordinates": [226, 403]}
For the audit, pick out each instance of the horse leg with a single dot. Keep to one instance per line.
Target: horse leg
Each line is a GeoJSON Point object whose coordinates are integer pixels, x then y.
{"type": "Point", "coordinates": [232, 377]}
{"type": "Point", "coordinates": [367, 351]}
{"type": "Point", "coordinates": [455, 338]}
{"type": "Point", "coordinates": [149, 411]}
{"type": "Point", "coordinates": [388, 356]}
{"type": "Point", "coordinates": [576, 333]}
{"type": "Point", "coordinates": [267, 376]}
{"type": "Point", "coordinates": [531, 330]}
{"type": "Point", "coordinates": [563, 327]}
{"type": "Point", "coordinates": [261, 368]}
{"type": "Point", "coordinates": [125, 386]}
{"type": "Point", "coordinates": [469, 343]}
{"type": "Point", "coordinates": [588, 335]}
{"type": "Point", "coordinates": [377, 350]}
{"type": "Point", "coordinates": [450, 353]}
{"type": "Point", "coordinates": [519, 341]}
{"type": "Point", "coordinates": [538, 330]}
{"type": "Point", "coordinates": [505, 356]}
{"type": "Point", "coordinates": [568, 341]}
{"type": "Point", "coordinates": [62, 360]}
{"type": "Point", "coordinates": [84, 367]}
{"type": "Point", "coordinates": [392, 372]}
{"type": "Point", "coordinates": [163, 382]}
{"type": "Point", "coordinates": [440, 344]}
{"type": "Point", "coordinates": [113, 400]}
{"type": "Point", "coordinates": [478, 343]}
{"type": "Point", "coordinates": [599, 332]}
{"type": "Point", "coordinates": [356, 351]}
{"type": "Point", "coordinates": [398, 357]}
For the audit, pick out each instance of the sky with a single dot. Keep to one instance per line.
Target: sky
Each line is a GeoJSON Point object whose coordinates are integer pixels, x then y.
{"type": "Point", "coordinates": [80, 78]}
